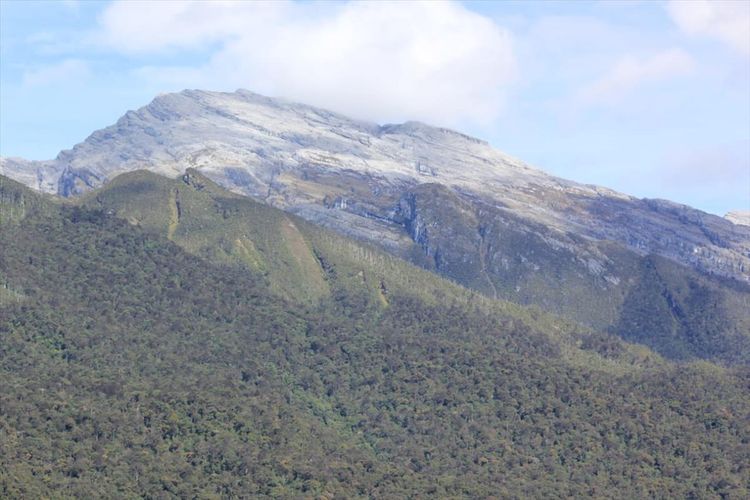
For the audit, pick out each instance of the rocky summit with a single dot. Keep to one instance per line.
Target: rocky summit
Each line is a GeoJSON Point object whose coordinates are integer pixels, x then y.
{"type": "Point", "coordinates": [446, 201]}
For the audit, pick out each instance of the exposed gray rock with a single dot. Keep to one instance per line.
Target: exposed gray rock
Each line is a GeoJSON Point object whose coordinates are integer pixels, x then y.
{"type": "Point", "coordinates": [354, 176]}
{"type": "Point", "coordinates": [40, 175]}
{"type": "Point", "coordinates": [741, 217]}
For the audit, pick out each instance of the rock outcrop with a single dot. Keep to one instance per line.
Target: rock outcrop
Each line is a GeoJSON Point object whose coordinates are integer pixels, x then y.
{"type": "Point", "coordinates": [741, 217]}
{"type": "Point", "coordinates": [439, 198]}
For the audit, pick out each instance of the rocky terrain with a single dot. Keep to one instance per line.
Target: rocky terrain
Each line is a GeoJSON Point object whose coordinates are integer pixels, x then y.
{"type": "Point", "coordinates": [739, 217]}
{"type": "Point", "coordinates": [40, 175]}
{"type": "Point", "coordinates": [444, 200]}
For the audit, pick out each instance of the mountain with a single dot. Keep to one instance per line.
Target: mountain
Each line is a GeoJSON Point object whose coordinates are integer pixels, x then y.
{"type": "Point", "coordinates": [673, 310]}
{"type": "Point", "coordinates": [651, 271]}
{"type": "Point", "coordinates": [741, 217]}
{"type": "Point", "coordinates": [308, 160]}
{"type": "Point", "coordinates": [40, 175]}
{"type": "Point", "coordinates": [137, 362]}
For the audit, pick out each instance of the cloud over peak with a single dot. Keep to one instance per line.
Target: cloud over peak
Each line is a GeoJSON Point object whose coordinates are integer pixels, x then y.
{"type": "Point", "coordinates": [434, 61]}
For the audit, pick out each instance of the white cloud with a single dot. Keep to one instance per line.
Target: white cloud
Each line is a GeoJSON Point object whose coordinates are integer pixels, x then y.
{"type": "Point", "coordinates": [728, 21]}
{"type": "Point", "coordinates": [64, 71]}
{"type": "Point", "coordinates": [434, 61]}
{"type": "Point", "coordinates": [159, 26]}
{"type": "Point", "coordinates": [631, 72]}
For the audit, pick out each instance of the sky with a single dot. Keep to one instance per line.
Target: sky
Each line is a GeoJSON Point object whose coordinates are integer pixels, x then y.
{"type": "Point", "coordinates": [649, 98]}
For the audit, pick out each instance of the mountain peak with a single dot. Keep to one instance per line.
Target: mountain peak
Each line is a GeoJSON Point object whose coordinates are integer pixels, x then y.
{"type": "Point", "coordinates": [309, 160]}
{"type": "Point", "coordinates": [740, 217]}
{"type": "Point", "coordinates": [247, 131]}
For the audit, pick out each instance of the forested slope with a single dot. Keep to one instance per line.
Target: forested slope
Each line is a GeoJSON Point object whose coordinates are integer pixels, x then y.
{"type": "Point", "coordinates": [130, 367]}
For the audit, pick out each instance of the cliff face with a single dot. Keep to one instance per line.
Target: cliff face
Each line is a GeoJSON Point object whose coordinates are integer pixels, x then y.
{"type": "Point", "coordinates": [40, 175]}
{"type": "Point", "coordinates": [437, 197]}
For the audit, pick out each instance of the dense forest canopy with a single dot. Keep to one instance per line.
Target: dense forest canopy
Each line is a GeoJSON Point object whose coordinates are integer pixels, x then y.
{"type": "Point", "coordinates": [134, 362]}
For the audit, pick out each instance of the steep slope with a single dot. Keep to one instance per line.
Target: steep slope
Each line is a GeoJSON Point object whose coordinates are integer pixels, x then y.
{"type": "Point", "coordinates": [298, 260]}
{"type": "Point", "coordinates": [40, 175]}
{"type": "Point", "coordinates": [132, 368]}
{"type": "Point", "coordinates": [445, 201]}
{"type": "Point", "coordinates": [211, 222]}
{"type": "Point", "coordinates": [307, 159]}
{"type": "Point", "coordinates": [17, 201]}
{"type": "Point", "coordinates": [678, 312]}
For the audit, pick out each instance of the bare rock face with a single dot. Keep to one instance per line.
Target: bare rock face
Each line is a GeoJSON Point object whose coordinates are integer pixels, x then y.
{"type": "Point", "coordinates": [350, 174]}
{"type": "Point", "coordinates": [39, 175]}
{"type": "Point", "coordinates": [739, 217]}
{"type": "Point", "coordinates": [442, 199]}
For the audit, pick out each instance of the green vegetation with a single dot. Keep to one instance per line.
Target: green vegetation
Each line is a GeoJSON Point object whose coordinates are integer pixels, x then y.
{"type": "Point", "coordinates": [132, 365]}
{"type": "Point", "coordinates": [211, 222]}
{"type": "Point", "coordinates": [684, 315]}
{"type": "Point", "coordinates": [675, 310]}
{"type": "Point", "coordinates": [17, 201]}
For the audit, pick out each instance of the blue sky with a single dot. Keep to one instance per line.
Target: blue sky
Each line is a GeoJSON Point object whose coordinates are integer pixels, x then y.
{"type": "Point", "coordinates": [650, 98]}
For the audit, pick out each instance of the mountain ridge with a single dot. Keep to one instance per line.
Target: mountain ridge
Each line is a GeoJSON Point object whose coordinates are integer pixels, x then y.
{"type": "Point", "coordinates": [670, 309]}
{"type": "Point", "coordinates": [261, 146]}
{"type": "Point", "coordinates": [438, 198]}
